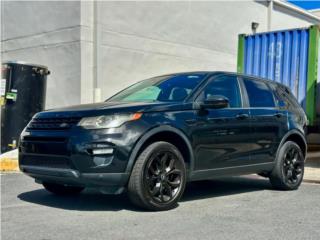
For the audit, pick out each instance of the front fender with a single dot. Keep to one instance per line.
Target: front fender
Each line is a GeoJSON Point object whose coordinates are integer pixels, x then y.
{"type": "Point", "coordinates": [152, 132]}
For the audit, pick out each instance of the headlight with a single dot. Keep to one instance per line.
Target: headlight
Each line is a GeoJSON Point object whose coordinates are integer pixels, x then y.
{"type": "Point", "coordinates": [108, 121]}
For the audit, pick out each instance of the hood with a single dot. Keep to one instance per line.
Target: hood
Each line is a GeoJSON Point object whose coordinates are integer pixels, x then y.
{"type": "Point", "coordinates": [85, 110]}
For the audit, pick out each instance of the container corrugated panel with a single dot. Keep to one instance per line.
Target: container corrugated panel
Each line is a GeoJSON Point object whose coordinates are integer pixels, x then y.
{"type": "Point", "coordinates": [280, 56]}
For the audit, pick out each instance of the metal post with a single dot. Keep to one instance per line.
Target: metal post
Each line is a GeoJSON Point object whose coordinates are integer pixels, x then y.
{"type": "Point", "coordinates": [241, 52]}
{"type": "Point", "coordinates": [312, 73]}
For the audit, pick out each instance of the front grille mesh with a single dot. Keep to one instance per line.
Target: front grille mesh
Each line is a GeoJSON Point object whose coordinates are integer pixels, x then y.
{"type": "Point", "coordinates": [52, 123]}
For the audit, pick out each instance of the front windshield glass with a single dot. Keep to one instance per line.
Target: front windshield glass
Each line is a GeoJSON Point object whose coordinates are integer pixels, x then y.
{"type": "Point", "coordinates": [168, 88]}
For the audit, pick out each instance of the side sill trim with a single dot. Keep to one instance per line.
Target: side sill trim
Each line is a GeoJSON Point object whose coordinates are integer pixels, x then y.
{"type": "Point", "coordinates": [230, 171]}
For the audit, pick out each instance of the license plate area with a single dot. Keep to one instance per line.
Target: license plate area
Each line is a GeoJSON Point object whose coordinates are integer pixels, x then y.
{"type": "Point", "coordinates": [47, 146]}
{"type": "Point", "coordinates": [45, 161]}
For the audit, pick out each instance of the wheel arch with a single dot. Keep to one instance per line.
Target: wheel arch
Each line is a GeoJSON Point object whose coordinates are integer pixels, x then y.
{"type": "Point", "coordinates": [297, 137]}
{"type": "Point", "coordinates": [164, 133]}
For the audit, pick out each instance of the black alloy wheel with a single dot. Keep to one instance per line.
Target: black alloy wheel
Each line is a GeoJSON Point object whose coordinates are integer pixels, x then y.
{"type": "Point", "coordinates": [292, 166]}
{"type": "Point", "coordinates": [163, 176]}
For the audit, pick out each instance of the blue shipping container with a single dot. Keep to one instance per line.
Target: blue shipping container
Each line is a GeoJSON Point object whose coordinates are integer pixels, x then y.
{"type": "Point", "coordinates": [286, 57]}
{"type": "Point", "coordinates": [279, 56]}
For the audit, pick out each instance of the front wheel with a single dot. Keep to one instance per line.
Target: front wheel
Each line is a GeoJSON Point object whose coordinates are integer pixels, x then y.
{"type": "Point", "coordinates": [60, 189]}
{"type": "Point", "coordinates": [158, 177]}
{"type": "Point", "coordinates": [289, 169]}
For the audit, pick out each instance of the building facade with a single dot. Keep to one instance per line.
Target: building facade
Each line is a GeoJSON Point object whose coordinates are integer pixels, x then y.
{"type": "Point", "coordinates": [94, 49]}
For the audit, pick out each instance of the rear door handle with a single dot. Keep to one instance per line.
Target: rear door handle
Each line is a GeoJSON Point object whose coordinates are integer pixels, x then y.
{"type": "Point", "coordinates": [242, 116]}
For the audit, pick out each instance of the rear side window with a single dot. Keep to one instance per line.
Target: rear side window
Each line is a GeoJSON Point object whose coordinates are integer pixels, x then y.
{"type": "Point", "coordinates": [285, 95]}
{"type": "Point", "coordinates": [259, 94]}
{"type": "Point", "coordinates": [291, 98]}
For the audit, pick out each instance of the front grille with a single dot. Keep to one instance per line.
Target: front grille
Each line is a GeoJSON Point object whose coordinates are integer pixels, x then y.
{"type": "Point", "coordinates": [45, 161]}
{"type": "Point", "coordinates": [52, 123]}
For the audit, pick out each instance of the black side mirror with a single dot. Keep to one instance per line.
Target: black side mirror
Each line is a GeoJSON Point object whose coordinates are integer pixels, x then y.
{"type": "Point", "coordinates": [215, 101]}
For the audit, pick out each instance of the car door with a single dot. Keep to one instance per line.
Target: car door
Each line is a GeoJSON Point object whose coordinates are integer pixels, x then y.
{"type": "Point", "coordinates": [268, 122]}
{"type": "Point", "coordinates": [221, 136]}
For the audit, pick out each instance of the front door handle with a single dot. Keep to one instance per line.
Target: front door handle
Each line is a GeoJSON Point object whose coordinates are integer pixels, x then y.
{"type": "Point", "coordinates": [242, 116]}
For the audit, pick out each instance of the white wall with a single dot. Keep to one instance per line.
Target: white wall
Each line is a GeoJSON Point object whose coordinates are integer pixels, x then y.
{"type": "Point", "coordinates": [46, 33]}
{"type": "Point", "coordinates": [134, 40]}
{"type": "Point", "coordinates": [140, 39]}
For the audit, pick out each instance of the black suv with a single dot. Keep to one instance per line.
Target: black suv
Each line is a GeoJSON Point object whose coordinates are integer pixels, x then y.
{"type": "Point", "coordinates": [156, 135]}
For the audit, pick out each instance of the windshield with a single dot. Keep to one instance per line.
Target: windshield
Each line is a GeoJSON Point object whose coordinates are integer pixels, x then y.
{"type": "Point", "coordinates": [173, 88]}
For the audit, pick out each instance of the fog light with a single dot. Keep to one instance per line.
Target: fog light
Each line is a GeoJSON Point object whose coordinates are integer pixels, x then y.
{"type": "Point", "coordinates": [102, 151]}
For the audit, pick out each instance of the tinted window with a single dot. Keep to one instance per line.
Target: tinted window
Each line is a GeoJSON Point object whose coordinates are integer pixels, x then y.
{"type": "Point", "coordinates": [226, 86]}
{"type": "Point", "coordinates": [164, 88]}
{"type": "Point", "coordinates": [284, 94]}
{"type": "Point", "coordinates": [259, 94]}
{"type": "Point", "coordinates": [291, 98]}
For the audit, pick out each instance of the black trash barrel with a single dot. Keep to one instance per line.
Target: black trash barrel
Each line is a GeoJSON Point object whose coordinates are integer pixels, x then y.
{"type": "Point", "coordinates": [23, 93]}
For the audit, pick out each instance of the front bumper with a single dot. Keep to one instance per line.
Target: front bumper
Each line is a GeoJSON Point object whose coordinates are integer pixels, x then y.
{"type": "Point", "coordinates": [67, 157]}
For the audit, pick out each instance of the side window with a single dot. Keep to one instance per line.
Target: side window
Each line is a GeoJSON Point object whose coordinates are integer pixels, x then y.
{"type": "Point", "coordinates": [259, 94]}
{"type": "Point", "coordinates": [292, 98]}
{"type": "Point", "coordinates": [286, 96]}
{"type": "Point", "coordinates": [281, 95]}
{"type": "Point", "coordinates": [226, 86]}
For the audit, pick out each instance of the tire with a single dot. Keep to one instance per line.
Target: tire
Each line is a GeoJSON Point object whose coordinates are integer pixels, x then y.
{"type": "Point", "coordinates": [60, 189]}
{"type": "Point", "coordinates": [158, 177]}
{"type": "Point", "coordinates": [289, 169]}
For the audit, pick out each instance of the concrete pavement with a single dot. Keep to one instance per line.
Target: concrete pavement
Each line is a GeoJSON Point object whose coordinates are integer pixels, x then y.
{"type": "Point", "coordinates": [9, 162]}
{"type": "Point", "coordinates": [230, 208]}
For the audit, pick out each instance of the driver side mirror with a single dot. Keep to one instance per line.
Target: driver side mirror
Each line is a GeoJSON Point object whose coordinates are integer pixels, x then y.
{"type": "Point", "coordinates": [215, 102]}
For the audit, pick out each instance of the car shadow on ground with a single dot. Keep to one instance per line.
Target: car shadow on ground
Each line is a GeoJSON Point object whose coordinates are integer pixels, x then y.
{"type": "Point", "coordinates": [91, 200]}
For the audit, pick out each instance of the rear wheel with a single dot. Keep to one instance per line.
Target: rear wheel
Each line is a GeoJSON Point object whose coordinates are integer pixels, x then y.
{"type": "Point", "coordinates": [60, 189]}
{"type": "Point", "coordinates": [158, 177]}
{"type": "Point", "coordinates": [289, 169]}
